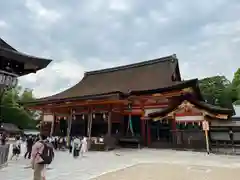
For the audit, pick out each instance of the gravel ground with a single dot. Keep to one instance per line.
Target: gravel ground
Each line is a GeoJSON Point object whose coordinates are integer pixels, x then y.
{"type": "Point", "coordinates": [124, 164]}
{"type": "Point", "coordinates": [156, 171]}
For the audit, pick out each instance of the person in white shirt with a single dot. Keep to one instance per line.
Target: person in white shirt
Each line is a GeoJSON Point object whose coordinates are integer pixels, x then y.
{"type": "Point", "coordinates": [16, 148]}
{"type": "Point", "coordinates": [84, 146]}
{"type": "Point", "coordinates": [76, 147]}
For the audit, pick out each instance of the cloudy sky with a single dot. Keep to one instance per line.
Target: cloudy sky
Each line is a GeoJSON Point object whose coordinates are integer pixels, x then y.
{"type": "Point", "coordinates": [83, 35]}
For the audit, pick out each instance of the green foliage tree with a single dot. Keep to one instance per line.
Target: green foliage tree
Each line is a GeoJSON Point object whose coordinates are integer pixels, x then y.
{"type": "Point", "coordinates": [217, 90]}
{"type": "Point", "coordinates": [13, 112]}
{"type": "Point", "coordinates": [236, 87]}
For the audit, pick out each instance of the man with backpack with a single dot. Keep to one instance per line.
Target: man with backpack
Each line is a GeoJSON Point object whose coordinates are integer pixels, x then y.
{"type": "Point", "coordinates": [42, 155]}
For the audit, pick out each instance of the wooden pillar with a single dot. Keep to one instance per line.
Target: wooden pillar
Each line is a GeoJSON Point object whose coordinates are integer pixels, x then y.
{"type": "Point", "coordinates": [143, 124]}
{"type": "Point", "coordinates": [110, 123]}
{"type": "Point", "coordinates": [52, 126]}
{"type": "Point", "coordinates": [90, 114]}
{"type": "Point", "coordinates": [122, 120]}
{"type": "Point", "coordinates": [69, 120]}
{"type": "Point", "coordinates": [148, 134]}
{"type": "Point", "coordinates": [89, 126]}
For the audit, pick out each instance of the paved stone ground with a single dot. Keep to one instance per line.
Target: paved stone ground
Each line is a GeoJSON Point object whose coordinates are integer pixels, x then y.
{"type": "Point", "coordinates": [135, 164]}
{"type": "Point", "coordinates": [156, 171]}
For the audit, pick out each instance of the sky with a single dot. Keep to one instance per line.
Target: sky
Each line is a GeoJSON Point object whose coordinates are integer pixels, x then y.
{"type": "Point", "coordinates": [85, 35]}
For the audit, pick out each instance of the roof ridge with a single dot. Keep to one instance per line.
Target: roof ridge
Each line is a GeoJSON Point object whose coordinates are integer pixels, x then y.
{"type": "Point", "coordinates": [138, 64]}
{"type": "Point", "coordinates": [6, 45]}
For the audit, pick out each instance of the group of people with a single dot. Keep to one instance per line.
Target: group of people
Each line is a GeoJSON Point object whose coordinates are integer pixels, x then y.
{"type": "Point", "coordinates": [78, 146]}
{"type": "Point", "coordinates": [40, 150]}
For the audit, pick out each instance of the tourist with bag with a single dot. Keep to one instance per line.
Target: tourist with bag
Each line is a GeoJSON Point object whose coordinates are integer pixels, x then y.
{"type": "Point", "coordinates": [42, 155]}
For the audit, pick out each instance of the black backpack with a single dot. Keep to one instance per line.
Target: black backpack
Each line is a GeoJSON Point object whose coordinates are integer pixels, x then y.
{"type": "Point", "coordinates": [47, 154]}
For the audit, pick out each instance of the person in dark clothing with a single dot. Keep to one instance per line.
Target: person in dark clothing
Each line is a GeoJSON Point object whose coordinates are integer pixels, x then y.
{"type": "Point", "coordinates": [231, 136]}
{"type": "Point", "coordinates": [29, 148]}
{"type": "Point", "coordinates": [3, 139]}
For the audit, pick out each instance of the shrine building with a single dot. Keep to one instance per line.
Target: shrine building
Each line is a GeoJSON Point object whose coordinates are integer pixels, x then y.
{"type": "Point", "coordinates": [147, 101]}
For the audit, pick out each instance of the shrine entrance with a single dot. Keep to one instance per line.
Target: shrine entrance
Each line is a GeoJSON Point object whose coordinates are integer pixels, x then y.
{"type": "Point", "coordinates": [160, 133]}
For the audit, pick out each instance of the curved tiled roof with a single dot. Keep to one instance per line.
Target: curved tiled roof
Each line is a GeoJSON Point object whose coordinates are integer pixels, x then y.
{"type": "Point", "coordinates": [174, 104]}
{"type": "Point", "coordinates": [152, 74]}
{"type": "Point", "coordinates": [10, 53]}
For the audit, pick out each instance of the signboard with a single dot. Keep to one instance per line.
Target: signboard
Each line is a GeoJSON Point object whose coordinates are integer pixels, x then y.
{"type": "Point", "coordinates": [153, 110]}
{"type": "Point", "coordinates": [48, 118]}
{"type": "Point", "coordinates": [205, 125]}
{"type": "Point", "coordinates": [189, 118]}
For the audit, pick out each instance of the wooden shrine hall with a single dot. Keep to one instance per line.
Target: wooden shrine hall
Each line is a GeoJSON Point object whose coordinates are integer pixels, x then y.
{"type": "Point", "coordinates": [147, 101]}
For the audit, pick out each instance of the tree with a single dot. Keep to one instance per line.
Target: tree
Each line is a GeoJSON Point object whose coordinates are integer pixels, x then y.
{"type": "Point", "coordinates": [13, 112]}
{"type": "Point", "coordinates": [236, 87]}
{"type": "Point", "coordinates": [217, 90]}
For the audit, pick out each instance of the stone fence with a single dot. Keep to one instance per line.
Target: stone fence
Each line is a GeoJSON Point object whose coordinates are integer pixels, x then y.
{"type": "Point", "coordinates": [4, 151]}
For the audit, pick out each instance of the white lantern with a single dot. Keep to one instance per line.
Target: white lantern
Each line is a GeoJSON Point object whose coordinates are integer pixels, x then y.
{"type": "Point", "coordinates": [104, 116]}
{"type": "Point", "coordinates": [93, 116]}
{"type": "Point", "coordinates": [74, 117]}
{"type": "Point", "coordinates": [83, 117]}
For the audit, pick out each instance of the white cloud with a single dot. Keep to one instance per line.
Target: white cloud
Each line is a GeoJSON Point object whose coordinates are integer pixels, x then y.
{"type": "Point", "coordinates": [43, 15]}
{"type": "Point", "coordinates": [225, 28]}
{"type": "Point", "coordinates": [95, 34]}
{"type": "Point", "coordinates": [120, 5]}
{"type": "Point", "coordinates": [66, 72]}
{"type": "Point", "coordinates": [3, 24]}
{"type": "Point", "coordinates": [158, 17]}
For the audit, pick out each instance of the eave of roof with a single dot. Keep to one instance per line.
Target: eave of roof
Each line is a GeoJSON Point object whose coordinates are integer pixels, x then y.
{"type": "Point", "coordinates": [9, 52]}
{"type": "Point", "coordinates": [199, 104]}
{"type": "Point", "coordinates": [192, 83]}
{"type": "Point", "coordinates": [178, 86]}
{"type": "Point", "coordinates": [42, 101]}
{"type": "Point", "coordinates": [119, 79]}
{"type": "Point", "coordinates": [41, 63]}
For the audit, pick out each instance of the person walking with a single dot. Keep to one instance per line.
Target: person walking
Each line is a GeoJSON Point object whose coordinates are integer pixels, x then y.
{"type": "Point", "coordinates": [84, 146]}
{"type": "Point", "coordinates": [29, 147]}
{"type": "Point", "coordinates": [42, 155]}
{"type": "Point", "coordinates": [76, 147]}
{"type": "Point", "coordinates": [16, 151]}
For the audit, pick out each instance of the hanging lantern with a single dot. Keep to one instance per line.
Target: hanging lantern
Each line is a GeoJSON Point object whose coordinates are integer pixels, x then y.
{"type": "Point", "coordinates": [199, 123]}
{"type": "Point", "coordinates": [93, 116]}
{"type": "Point", "coordinates": [74, 117]}
{"type": "Point", "coordinates": [64, 118]}
{"type": "Point", "coordinates": [83, 117]}
{"type": "Point", "coordinates": [185, 123]}
{"type": "Point", "coordinates": [73, 111]}
{"type": "Point", "coordinates": [104, 116]}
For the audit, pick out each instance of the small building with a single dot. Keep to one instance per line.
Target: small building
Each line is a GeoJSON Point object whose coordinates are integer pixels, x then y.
{"type": "Point", "coordinates": [147, 101]}
{"type": "Point", "coordinates": [31, 132]}
{"type": "Point", "coordinates": [18, 63]}
{"type": "Point", "coordinates": [10, 129]}
{"type": "Point", "coordinates": [14, 64]}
